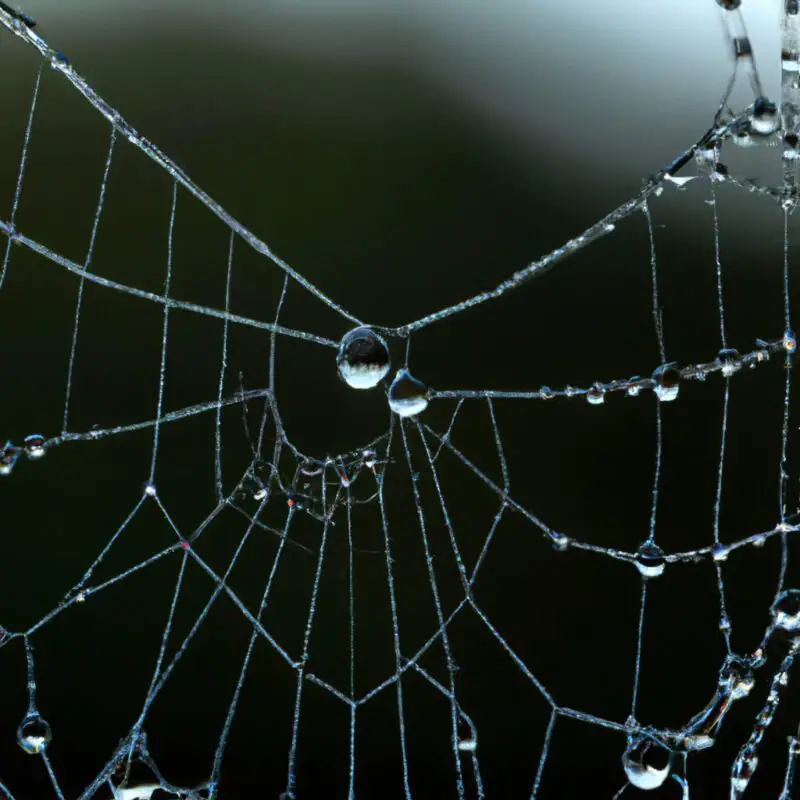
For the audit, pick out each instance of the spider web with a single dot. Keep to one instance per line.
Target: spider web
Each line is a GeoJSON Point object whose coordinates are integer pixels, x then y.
{"type": "Point", "coordinates": [226, 571]}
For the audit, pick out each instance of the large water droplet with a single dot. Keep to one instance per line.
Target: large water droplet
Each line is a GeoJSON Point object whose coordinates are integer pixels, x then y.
{"type": "Point", "coordinates": [596, 395]}
{"type": "Point", "coordinates": [765, 119]}
{"type": "Point", "coordinates": [786, 610]}
{"type": "Point", "coordinates": [729, 361]}
{"type": "Point", "coordinates": [650, 560]}
{"type": "Point", "coordinates": [363, 358]}
{"type": "Point", "coordinates": [560, 541]}
{"type": "Point", "coordinates": [646, 763]}
{"type": "Point", "coordinates": [667, 382]}
{"type": "Point", "coordinates": [34, 445]}
{"type": "Point", "coordinates": [407, 395]}
{"type": "Point", "coordinates": [789, 341]}
{"type": "Point", "coordinates": [720, 552]}
{"type": "Point", "coordinates": [33, 734]}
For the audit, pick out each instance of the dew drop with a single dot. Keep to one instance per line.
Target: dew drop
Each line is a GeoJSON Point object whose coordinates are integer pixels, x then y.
{"type": "Point", "coordinates": [8, 457]}
{"type": "Point", "coordinates": [667, 382]}
{"type": "Point", "coordinates": [370, 458]}
{"type": "Point", "coordinates": [546, 393]}
{"type": "Point", "coordinates": [150, 489]}
{"type": "Point", "coordinates": [407, 396]}
{"type": "Point", "coordinates": [789, 341]}
{"type": "Point", "coordinates": [59, 61]}
{"type": "Point", "coordinates": [635, 388]}
{"type": "Point", "coordinates": [729, 5]}
{"type": "Point", "coordinates": [786, 610]}
{"type": "Point", "coordinates": [363, 358]}
{"type": "Point", "coordinates": [650, 560]}
{"type": "Point", "coordinates": [260, 494]}
{"type": "Point", "coordinates": [646, 763]}
{"type": "Point", "coordinates": [467, 745]}
{"type": "Point", "coordinates": [737, 678]}
{"type": "Point", "coordinates": [560, 541]}
{"type": "Point", "coordinates": [697, 741]}
{"type": "Point", "coordinates": [33, 734]}
{"type": "Point", "coordinates": [729, 361]}
{"type": "Point", "coordinates": [34, 445]}
{"type": "Point", "coordinates": [724, 624]}
{"type": "Point", "coordinates": [720, 552]}
{"type": "Point", "coordinates": [596, 395]}
{"type": "Point", "coordinates": [765, 120]}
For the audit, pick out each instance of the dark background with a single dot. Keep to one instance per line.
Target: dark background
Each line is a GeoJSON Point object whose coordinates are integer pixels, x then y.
{"type": "Point", "coordinates": [401, 157]}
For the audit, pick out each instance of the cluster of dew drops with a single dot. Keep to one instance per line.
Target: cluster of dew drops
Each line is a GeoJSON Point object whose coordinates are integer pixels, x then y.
{"type": "Point", "coordinates": [363, 362]}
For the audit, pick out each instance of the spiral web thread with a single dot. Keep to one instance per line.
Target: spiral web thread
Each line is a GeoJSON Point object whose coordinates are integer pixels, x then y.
{"type": "Point", "coordinates": [416, 445]}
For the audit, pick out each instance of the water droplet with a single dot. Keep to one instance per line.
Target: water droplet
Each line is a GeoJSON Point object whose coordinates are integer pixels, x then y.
{"type": "Point", "coordinates": [609, 226]}
{"type": "Point", "coordinates": [34, 445]}
{"type": "Point", "coordinates": [8, 457]}
{"type": "Point", "coordinates": [363, 358]}
{"type": "Point", "coordinates": [59, 61]}
{"type": "Point", "coordinates": [310, 468]}
{"type": "Point", "coordinates": [260, 494]}
{"type": "Point", "coordinates": [635, 388]}
{"type": "Point", "coordinates": [730, 5]}
{"type": "Point", "coordinates": [650, 560]}
{"type": "Point", "coordinates": [729, 361]}
{"type": "Point", "coordinates": [467, 745]}
{"type": "Point", "coordinates": [560, 541]}
{"type": "Point", "coordinates": [789, 341]}
{"type": "Point", "coordinates": [646, 763]}
{"type": "Point", "coordinates": [596, 395]}
{"type": "Point", "coordinates": [759, 541]}
{"type": "Point", "coordinates": [667, 382]}
{"type": "Point", "coordinates": [33, 734]}
{"type": "Point", "coordinates": [370, 458]}
{"type": "Point", "coordinates": [743, 770]}
{"type": "Point", "coordinates": [546, 393]}
{"type": "Point", "coordinates": [720, 552]}
{"type": "Point", "coordinates": [697, 741]}
{"type": "Point", "coordinates": [149, 489]}
{"type": "Point", "coordinates": [724, 624]}
{"type": "Point", "coordinates": [407, 395]}
{"type": "Point", "coordinates": [786, 610]}
{"type": "Point", "coordinates": [765, 119]}
{"type": "Point", "coordinates": [737, 678]}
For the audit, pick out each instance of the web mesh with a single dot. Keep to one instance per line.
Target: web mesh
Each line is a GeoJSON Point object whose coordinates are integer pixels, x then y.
{"type": "Point", "coordinates": [226, 571]}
